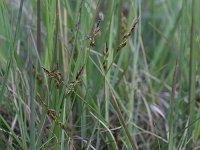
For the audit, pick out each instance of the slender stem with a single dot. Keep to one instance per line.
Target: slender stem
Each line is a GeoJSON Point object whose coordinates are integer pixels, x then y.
{"type": "Point", "coordinates": [119, 114]}
{"type": "Point", "coordinates": [172, 106]}
{"type": "Point", "coordinates": [38, 26]}
{"type": "Point", "coordinates": [192, 67]}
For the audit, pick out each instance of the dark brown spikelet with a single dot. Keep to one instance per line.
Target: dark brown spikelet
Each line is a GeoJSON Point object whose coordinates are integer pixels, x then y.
{"type": "Point", "coordinates": [61, 125]}
{"type": "Point", "coordinates": [98, 23]}
{"type": "Point", "coordinates": [105, 54]}
{"type": "Point", "coordinates": [105, 65]}
{"type": "Point", "coordinates": [54, 74]}
{"type": "Point", "coordinates": [52, 114]}
{"type": "Point", "coordinates": [125, 37]}
{"type": "Point", "coordinates": [71, 85]}
{"type": "Point", "coordinates": [80, 72]}
{"type": "Point", "coordinates": [93, 34]}
{"type": "Point", "coordinates": [132, 28]}
{"type": "Point", "coordinates": [121, 45]}
{"type": "Point", "coordinates": [92, 43]}
{"type": "Point", "coordinates": [135, 23]}
{"type": "Point", "coordinates": [46, 71]}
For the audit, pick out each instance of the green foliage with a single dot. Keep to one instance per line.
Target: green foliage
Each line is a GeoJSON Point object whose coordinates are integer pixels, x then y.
{"type": "Point", "coordinates": [94, 74]}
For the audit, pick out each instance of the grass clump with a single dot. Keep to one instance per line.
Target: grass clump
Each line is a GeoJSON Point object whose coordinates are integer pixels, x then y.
{"type": "Point", "coordinates": [99, 74]}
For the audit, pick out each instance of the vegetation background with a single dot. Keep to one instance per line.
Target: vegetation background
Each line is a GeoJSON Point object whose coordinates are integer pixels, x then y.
{"type": "Point", "coordinates": [99, 74]}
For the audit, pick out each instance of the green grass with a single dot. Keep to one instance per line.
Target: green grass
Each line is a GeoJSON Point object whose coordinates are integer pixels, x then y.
{"type": "Point", "coordinates": [138, 92]}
